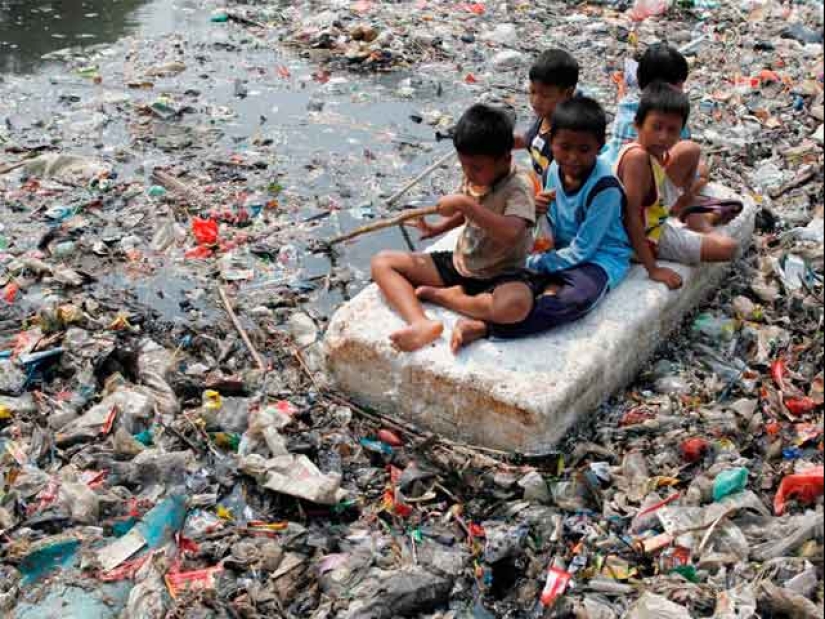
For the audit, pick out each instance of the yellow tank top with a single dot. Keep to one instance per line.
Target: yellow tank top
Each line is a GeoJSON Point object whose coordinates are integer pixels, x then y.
{"type": "Point", "coordinates": [655, 213]}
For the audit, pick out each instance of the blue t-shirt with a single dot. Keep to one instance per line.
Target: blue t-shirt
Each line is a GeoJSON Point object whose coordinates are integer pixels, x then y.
{"type": "Point", "coordinates": [587, 225]}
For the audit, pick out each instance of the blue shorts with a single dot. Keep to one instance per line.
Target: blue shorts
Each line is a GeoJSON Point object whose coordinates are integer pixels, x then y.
{"type": "Point", "coordinates": [581, 289]}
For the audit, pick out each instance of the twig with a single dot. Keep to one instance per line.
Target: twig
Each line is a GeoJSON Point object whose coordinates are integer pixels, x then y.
{"type": "Point", "coordinates": [416, 213]}
{"type": "Point", "coordinates": [239, 327]}
{"type": "Point", "coordinates": [399, 221]}
{"type": "Point", "coordinates": [401, 192]}
{"type": "Point", "coordinates": [192, 445]}
{"type": "Point", "coordinates": [302, 362]}
{"type": "Point", "coordinates": [13, 166]}
{"type": "Point", "coordinates": [176, 186]}
{"type": "Point", "coordinates": [797, 182]}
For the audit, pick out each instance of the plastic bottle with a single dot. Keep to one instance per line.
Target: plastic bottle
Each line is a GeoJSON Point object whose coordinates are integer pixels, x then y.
{"type": "Point", "coordinates": [715, 327]}
{"type": "Point", "coordinates": [729, 482]}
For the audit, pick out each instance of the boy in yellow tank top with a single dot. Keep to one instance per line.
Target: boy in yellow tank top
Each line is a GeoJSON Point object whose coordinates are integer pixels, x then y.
{"type": "Point", "coordinates": [659, 173]}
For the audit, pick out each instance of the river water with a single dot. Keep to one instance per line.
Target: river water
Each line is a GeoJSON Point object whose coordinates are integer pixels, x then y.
{"type": "Point", "coordinates": [340, 145]}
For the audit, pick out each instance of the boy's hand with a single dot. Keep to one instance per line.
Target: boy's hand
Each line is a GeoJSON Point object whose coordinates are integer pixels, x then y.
{"type": "Point", "coordinates": [543, 201]}
{"type": "Point", "coordinates": [450, 205]}
{"type": "Point", "coordinates": [668, 277]}
{"type": "Point", "coordinates": [426, 229]}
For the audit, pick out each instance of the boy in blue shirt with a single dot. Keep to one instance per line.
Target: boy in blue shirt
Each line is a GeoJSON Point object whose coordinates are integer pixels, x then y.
{"type": "Point", "coordinates": [592, 252]}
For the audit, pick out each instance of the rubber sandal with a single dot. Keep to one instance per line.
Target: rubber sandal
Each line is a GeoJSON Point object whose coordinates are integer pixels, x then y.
{"type": "Point", "coordinates": [727, 210]}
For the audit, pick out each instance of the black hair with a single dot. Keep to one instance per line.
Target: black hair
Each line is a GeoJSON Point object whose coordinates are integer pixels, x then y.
{"type": "Point", "coordinates": [663, 98]}
{"type": "Point", "coordinates": [555, 67]}
{"type": "Point", "coordinates": [581, 114]}
{"type": "Point", "coordinates": [661, 63]}
{"type": "Point", "coordinates": [484, 130]}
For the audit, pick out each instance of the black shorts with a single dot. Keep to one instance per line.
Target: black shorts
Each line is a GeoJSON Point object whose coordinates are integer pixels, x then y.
{"type": "Point", "coordinates": [443, 261]}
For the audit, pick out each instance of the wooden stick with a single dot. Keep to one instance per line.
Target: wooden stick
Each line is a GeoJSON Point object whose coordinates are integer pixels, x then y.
{"type": "Point", "coordinates": [401, 192]}
{"type": "Point", "coordinates": [175, 186]}
{"type": "Point", "coordinates": [244, 336]}
{"type": "Point", "coordinates": [416, 213]}
{"type": "Point", "coordinates": [13, 166]}
{"type": "Point", "coordinates": [797, 182]}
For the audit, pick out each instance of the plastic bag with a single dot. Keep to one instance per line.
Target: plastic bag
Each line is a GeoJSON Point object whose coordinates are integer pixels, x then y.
{"type": "Point", "coordinates": [652, 606]}
{"type": "Point", "coordinates": [805, 487]}
{"type": "Point", "coordinates": [643, 9]}
{"type": "Point", "coordinates": [543, 237]}
{"type": "Point", "coordinates": [205, 231]}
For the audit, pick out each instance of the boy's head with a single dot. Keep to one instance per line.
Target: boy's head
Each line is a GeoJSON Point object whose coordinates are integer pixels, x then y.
{"type": "Point", "coordinates": [662, 114]}
{"type": "Point", "coordinates": [577, 135]}
{"type": "Point", "coordinates": [553, 79]}
{"type": "Point", "coordinates": [662, 63]}
{"type": "Point", "coordinates": [484, 140]}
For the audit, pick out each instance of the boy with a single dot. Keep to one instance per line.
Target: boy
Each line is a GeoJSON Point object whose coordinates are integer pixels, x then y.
{"type": "Point", "coordinates": [553, 79]}
{"type": "Point", "coordinates": [592, 252]}
{"type": "Point", "coordinates": [659, 63]}
{"type": "Point", "coordinates": [496, 203]}
{"type": "Point", "coordinates": [655, 171]}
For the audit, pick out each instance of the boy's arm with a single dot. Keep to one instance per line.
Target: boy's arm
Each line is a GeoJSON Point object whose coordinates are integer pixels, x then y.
{"type": "Point", "coordinates": [605, 209]}
{"type": "Point", "coordinates": [637, 179]}
{"type": "Point", "coordinates": [446, 224]}
{"type": "Point", "coordinates": [505, 229]}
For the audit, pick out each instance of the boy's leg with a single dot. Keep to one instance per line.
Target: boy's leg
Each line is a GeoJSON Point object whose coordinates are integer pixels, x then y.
{"type": "Point", "coordinates": [578, 292]}
{"type": "Point", "coordinates": [683, 165]}
{"type": "Point", "coordinates": [686, 246]}
{"type": "Point", "coordinates": [718, 248]}
{"type": "Point", "coordinates": [507, 303]}
{"type": "Point", "coordinates": [397, 274]}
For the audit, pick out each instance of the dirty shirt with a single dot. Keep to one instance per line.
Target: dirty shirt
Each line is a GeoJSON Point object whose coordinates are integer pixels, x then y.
{"type": "Point", "coordinates": [479, 255]}
{"type": "Point", "coordinates": [538, 145]}
{"type": "Point", "coordinates": [587, 225]}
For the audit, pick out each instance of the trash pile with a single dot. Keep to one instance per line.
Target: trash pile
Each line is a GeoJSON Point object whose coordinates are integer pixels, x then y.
{"type": "Point", "coordinates": [170, 445]}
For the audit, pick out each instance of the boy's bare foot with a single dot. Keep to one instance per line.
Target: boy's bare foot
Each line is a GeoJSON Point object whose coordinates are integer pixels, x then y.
{"type": "Point", "coordinates": [439, 296]}
{"type": "Point", "coordinates": [465, 332]}
{"type": "Point", "coordinates": [417, 335]}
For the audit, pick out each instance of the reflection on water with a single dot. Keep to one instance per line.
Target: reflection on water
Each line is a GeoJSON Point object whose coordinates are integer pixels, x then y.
{"type": "Point", "coordinates": [30, 29]}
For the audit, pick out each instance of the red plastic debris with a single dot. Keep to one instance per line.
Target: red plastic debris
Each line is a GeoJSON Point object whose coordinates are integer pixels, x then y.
{"type": "Point", "coordinates": [805, 487]}
{"type": "Point", "coordinates": [390, 438]}
{"type": "Point", "coordinates": [693, 449]}
{"type": "Point", "coordinates": [473, 7]}
{"type": "Point", "coordinates": [778, 372]}
{"type": "Point", "coordinates": [556, 585]}
{"type": "Point", "coordinates": [635, 416]}
{"type": "Point", "coordinates": [205, 231]}
{"type": "Point", "coordinates": [800, 406]}
{"type": "Point", "coordinates": [10, 292]}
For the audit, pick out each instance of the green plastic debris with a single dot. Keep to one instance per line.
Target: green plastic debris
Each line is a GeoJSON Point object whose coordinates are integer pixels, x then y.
{"type": "Point", "coordinates": [729, 482]}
